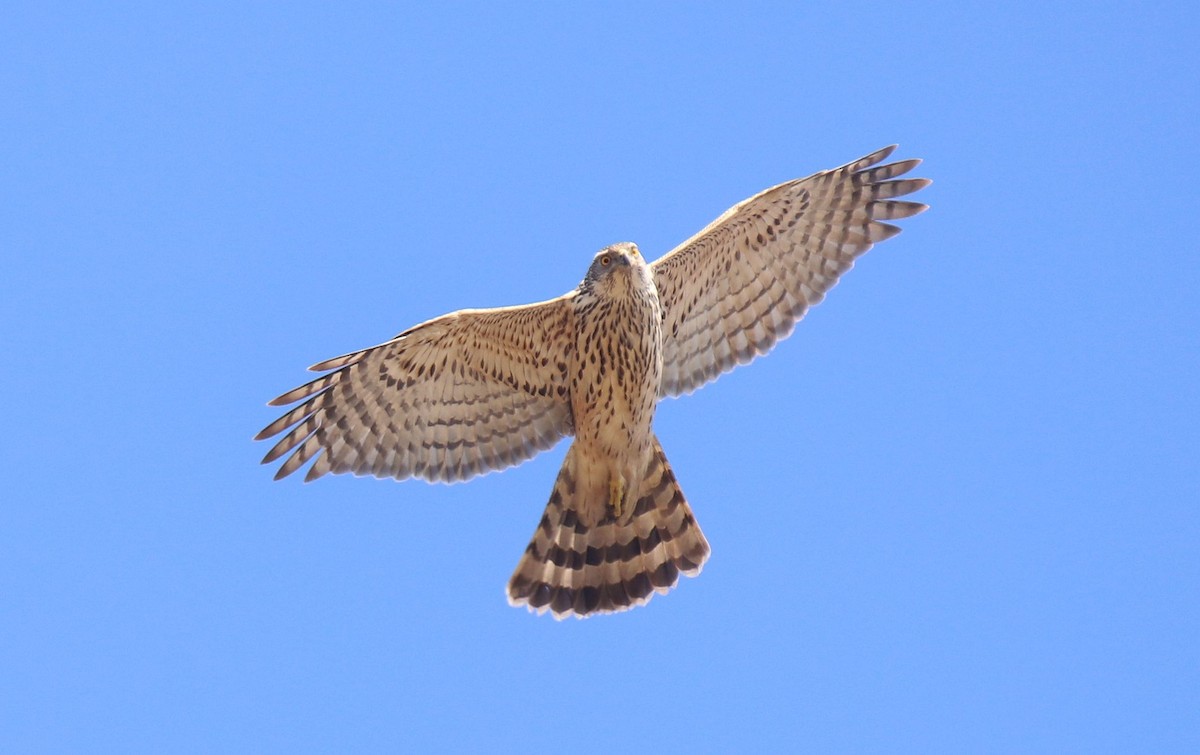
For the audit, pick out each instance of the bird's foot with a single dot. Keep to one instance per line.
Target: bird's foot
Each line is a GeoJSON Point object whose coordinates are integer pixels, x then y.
{"type": "Point", "coordinates": [616, 495]}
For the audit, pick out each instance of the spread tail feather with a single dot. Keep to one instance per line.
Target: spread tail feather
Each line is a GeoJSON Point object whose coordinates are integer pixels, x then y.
{"type": "Point", "coordinates": [573, 569]}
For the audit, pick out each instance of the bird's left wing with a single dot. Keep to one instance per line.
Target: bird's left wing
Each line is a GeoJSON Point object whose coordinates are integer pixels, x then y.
{"type": "Point", "coordinates": [456, 396]}
{"type": "Point", "coordinates": [733, 290]}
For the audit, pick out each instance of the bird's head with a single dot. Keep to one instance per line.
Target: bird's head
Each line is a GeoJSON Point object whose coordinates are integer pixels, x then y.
{"type": "Point", "coordinates": [620, 261]}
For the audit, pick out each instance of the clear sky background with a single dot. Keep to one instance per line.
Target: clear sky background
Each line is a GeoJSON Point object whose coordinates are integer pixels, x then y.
{"type": "Point", "coordinates": [957, 511]}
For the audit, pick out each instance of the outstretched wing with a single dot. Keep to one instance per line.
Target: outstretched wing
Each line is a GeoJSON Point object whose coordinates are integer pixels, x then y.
{"type": "Point", "coordinates": [733, 290]}
{"type": "Point", "coordinates": [465, 393]}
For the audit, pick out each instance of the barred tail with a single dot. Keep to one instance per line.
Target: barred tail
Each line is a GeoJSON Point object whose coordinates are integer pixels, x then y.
{"type": "Point", "coordinates": [573, 569]}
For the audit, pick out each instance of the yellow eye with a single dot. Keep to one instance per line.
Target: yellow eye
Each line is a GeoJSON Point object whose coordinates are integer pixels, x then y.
{"type": "Point", "coordinates": [605, 260]}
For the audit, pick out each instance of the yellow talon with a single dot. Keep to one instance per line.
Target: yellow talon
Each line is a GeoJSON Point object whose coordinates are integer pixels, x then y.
{"type": "Point", "coordinates": [616, 495]}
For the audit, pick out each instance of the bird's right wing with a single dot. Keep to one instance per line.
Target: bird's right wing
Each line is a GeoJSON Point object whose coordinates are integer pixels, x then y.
{"type": "Point", "coordinates": [459, 395]}
{"type": "Point", "coordinates": [733, 290]}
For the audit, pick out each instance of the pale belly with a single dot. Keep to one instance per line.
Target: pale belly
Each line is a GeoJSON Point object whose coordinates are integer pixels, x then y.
{"type": "Point", "coordinates": [614, 392]}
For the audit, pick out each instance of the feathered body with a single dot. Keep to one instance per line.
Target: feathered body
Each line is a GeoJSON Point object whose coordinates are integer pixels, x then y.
{"type": "Point", "coordinates": [617, 527]}
{"type": "Point", "coordinates": [616, 369]}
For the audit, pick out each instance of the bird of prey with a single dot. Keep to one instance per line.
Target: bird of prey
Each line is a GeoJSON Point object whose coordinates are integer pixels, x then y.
{"type": "Point", "coordinates": [484, 389]}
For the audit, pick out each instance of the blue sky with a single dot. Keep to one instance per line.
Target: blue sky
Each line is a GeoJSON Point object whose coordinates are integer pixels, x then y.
{"type": "Point", "coordinates": [956, 511]}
